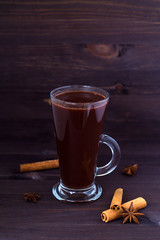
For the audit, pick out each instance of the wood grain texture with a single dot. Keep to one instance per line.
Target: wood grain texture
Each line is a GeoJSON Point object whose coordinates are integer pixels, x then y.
{"type": "Point", "coordinates": [47, 44]}
{"type": "Point", "coordinates": [34, 68]}
{"type": "Point", "coordinates": [93, 21]}
{"type": "Point", "coordinates": [52, 219]}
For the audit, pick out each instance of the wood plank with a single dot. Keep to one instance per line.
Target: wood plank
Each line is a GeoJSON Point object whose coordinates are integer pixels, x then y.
{"type": "Point", "coordinates": [47, 150]}
{"type": "Point", "coordinates": [150, 170]}
{"type": "Point", "coordinates": [44, 67]}
{"type": "Point", "coordinates": [83, 21]}
{"type": "Point", "coordinates": [23, 107]}
{"type": "Point", "coordinates": [31, 130]}
{"type": "Point", "coordinates": [27, 123]}
{"type": "Point", "coordinates": [41, 81]}
{"type": "Point", "coordinates": [16, 105]}
{"type": "Point", "coordinates": [19, 218]}
{"type": "Point", "coordinates": [82, 57]}
{"type": "Point", "coordinates": [39, 138]}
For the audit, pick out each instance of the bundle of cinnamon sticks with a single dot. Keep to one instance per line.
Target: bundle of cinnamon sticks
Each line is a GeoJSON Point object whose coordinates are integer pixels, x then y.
{"type": "Point", "coordinates": [116, 206]}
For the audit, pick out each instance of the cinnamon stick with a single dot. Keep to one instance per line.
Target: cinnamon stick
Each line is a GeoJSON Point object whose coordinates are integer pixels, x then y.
{"type": "Point", "coordinates": [117, 199]}
{"type": "Point", "coordinates": [48, 164]}
{"type": "Point", "coordinates": [109, 215]}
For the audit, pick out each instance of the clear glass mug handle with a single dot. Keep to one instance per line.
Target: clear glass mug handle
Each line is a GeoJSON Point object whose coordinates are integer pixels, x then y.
{"type": "Point", "coordinates": [116, 154]}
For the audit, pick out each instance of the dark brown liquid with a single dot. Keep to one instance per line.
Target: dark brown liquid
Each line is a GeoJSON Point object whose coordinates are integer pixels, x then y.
{"type": "Point", "coordinates": [78, 132]}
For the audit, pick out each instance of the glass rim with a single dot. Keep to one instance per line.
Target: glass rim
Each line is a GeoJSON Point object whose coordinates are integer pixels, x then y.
{"type": "Point", "coordinates": [88, 88]}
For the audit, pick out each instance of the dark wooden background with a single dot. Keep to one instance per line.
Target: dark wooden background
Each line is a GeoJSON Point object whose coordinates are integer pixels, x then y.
{"type": "Point", "coordinates": [46, 44]}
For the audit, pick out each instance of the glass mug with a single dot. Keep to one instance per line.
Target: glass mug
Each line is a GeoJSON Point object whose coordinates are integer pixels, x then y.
{"type": "Point", "coordinates": [78, 114]}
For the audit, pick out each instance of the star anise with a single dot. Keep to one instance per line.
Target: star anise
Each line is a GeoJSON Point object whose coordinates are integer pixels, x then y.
{"type": "Point", "coordinates": [130, 214]}
{"type": "Point", "coordinates": [131, 170]}
{"type": "Point", "coordinates": [31, 197]}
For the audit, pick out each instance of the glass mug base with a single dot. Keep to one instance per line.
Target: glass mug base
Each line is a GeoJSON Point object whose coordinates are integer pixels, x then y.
{"type": "Point", "coordinates": [89, 194]}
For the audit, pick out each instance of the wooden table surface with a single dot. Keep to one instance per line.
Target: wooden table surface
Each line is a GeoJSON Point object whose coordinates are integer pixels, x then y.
{"type": "Point", "coordinates": [46, 44]}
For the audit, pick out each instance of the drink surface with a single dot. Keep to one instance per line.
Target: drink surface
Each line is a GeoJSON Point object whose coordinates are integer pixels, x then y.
{"type": "Point", "coordinates": [80, 96]}
{"type": "Point", "coordinates": [78, 132]}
